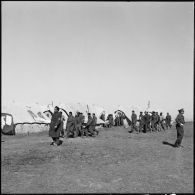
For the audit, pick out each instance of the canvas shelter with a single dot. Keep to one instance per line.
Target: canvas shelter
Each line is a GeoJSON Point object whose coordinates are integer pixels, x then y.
{"type": "Point", "coordinates": [25, 118]}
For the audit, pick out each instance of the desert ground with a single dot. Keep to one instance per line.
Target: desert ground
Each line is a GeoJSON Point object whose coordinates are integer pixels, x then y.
{"type": "Point", "coordinates": [115, 161]}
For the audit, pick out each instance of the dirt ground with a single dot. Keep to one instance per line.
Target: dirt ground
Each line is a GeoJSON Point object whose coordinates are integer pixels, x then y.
{"type": "Point", "coordinates": [113, 162]}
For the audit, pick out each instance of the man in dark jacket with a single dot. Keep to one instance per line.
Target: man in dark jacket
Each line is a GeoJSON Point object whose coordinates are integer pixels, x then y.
{"type": "Point", "coordinates": [89, 126]}
{"type": "Point", "coordinates": [54, 130]}
{"type": "Point", "coordinates": [70, 125]}
{"type": "Point", "coordinates": [141, 122]}
{"type": "Point", "coordinates": [179, 126]}
{"type": "Point", "coordinates": [168, 120]}
{"type": "Point", "coordinates": [94, 123]}
{"type": "Point", "coordinates": [133, 120]}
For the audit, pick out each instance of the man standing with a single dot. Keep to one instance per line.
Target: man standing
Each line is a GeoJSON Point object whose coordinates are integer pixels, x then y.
{"type": "Point", "coordinates": [70, 125]}
{"type": "Point", "coordinates": [179, 126]}
{"type": "Point", "coordinates": [141, 122]}
{"type": "Point", "coordinates": [153, 120]}
{"type": "Point", "coordinates": [77, 124]}
{"type": "Point", "coordinates": [94, 124]}
{"type": "Point", "coordinates": [134, 120]}
{"type": "Point", "coordinates": [55, 127]}
{"type": "Point", "coordinates": [89, 126]}
{"type": "Point", "coordinates": [168, 120]}
{"type": "Point", "coordinates": [162, 121]}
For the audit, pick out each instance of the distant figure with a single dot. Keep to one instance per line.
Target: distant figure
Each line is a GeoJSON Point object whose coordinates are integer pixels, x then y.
{"type": "Point", "coordinates": [89, 126]}
{"type": "Point", "coordinates": [141, 122]}
{"type": "Point", "coordinates": [179, 126]}
{"type": "Point", "coordinates": [55, 126]}
{"type": "Point", "coordinates": [162, 121]}
{"type": "Point", "coordinates": [133, 120]}
{"type": "Point", "coordinates": [94, 124]}
{"type": "Point", "coordinates": [78, 124]}
{"type": "Point", "coordinates": [70, 125]}
{"type": "Point", "coordinates": [168, 121]}
{"type": "Point", "coordinates": [62, 125]}
{"type": "Point", "coordinates": [153, 120]}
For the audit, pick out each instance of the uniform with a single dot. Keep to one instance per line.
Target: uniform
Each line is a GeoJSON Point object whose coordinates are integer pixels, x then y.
{"type": "Point", "coordinates": [70, 125]}
{"type": "Point", "coordinates": [134, 120]}
{"type": "Point", "coordinates": [141, 122]}
{"type": "Point", "coordinates": [55, 126]}
{"type": "Point", "coordinates": [180, 130]}
{"type": "Point", "coordinates": [168, 121]}
{"type": "Point", "coordinates": [89, 126]}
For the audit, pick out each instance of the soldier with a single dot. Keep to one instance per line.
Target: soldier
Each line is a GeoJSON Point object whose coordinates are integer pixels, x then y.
{"type": "Point", "coordinates": [141, 122]}
{"type": "Point", "coordinates": [54, 130]}
{"type": "Point", "coordinates": [77, 125]}
{"type": "Point", "coordinates": [153, 119]}
{"type": "Point", "coordinates": [89, 126]}
{"type": "Point", "coordinates": [94, 124]}
{"type": "Point", "coordinates": [70, 125]}
{"type": "Point", "coordinates": [179, 126]}
{"type": "Point", "coordinates": [168, 120]}
{"type": "Point", "coordinates": [162, 121]}
{"type": "Point", "coordinates": [133, 120]}
{"type": "Point", "coordinates": [62, 125]}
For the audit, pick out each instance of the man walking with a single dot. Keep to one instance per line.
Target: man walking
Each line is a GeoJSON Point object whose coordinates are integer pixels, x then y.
{"type": "Point", "coordinates": [179, 126]}
{"type": "Point", "coordinates": [55, 127]}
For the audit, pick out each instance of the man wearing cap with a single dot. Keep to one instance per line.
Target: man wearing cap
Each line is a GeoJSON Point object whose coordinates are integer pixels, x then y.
{"type": "Point", "coordinates": [55, 127]}
{"type": "Point", "coordinates": [179, 126]}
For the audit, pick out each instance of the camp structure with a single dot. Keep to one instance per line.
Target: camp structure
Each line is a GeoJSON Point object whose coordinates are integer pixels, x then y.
{"type": "Point", "coordinates": [22, 118]}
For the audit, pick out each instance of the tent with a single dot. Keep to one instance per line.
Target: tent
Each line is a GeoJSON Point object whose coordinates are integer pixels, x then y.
{"type": "Point", "coordinates": [22, 118]}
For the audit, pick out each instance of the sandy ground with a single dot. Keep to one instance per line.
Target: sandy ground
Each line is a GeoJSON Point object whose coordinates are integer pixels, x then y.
{"type": "Point", "coordinates": [113, 162]}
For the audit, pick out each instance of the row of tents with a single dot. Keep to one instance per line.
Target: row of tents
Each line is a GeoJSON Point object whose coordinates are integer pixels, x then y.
{"type": "Point", "coordinates": [19, 118]}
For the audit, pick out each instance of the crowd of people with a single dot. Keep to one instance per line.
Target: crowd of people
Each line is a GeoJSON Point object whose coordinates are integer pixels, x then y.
{"type": "Point", "coordinates": [76, 126]}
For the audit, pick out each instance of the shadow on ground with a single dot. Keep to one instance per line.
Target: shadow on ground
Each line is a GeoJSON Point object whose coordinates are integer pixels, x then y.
{"type": "Point", "coordinates": [169, 144]}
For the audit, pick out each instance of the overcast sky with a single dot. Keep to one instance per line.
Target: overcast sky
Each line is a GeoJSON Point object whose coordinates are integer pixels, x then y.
{"type": "Point", "coordinates": [107, 53]}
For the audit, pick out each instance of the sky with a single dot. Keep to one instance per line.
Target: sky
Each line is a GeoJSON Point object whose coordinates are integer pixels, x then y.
{"type": "Point", "coordinates": [105, 53]}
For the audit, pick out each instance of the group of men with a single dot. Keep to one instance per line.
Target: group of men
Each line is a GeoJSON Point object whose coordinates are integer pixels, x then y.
{"type": "Point", "coordinates": [75, 126]}
{"type": "Point", "coordinates": [150, 121]}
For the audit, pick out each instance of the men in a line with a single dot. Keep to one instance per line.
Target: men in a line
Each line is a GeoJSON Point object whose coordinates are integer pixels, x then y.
{"type": "Point", "coordinates": [55, 127]}
{"type": "Point", "coordinates": [180, 127]}
{"type": "Point", "coordinates": [70, 125]}
{"type": "Point", "coordinates": [141, 122]}
{"type": "Point", "coordinates": [133, 120]}
{"type": "Point", "coordinates": [168, 121]}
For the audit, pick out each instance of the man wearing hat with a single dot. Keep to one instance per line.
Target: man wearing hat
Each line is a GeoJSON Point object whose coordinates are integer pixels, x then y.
{"type": "Point", "coordinates": [179, 126]}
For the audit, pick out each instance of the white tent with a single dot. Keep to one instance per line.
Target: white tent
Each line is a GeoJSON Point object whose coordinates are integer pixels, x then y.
{"type": "Point", "coordinates": [26, 118]}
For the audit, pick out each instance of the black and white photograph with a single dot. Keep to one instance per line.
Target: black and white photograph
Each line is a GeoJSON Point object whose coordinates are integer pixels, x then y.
{"type": "Point", "coordinates": [97, 97]}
